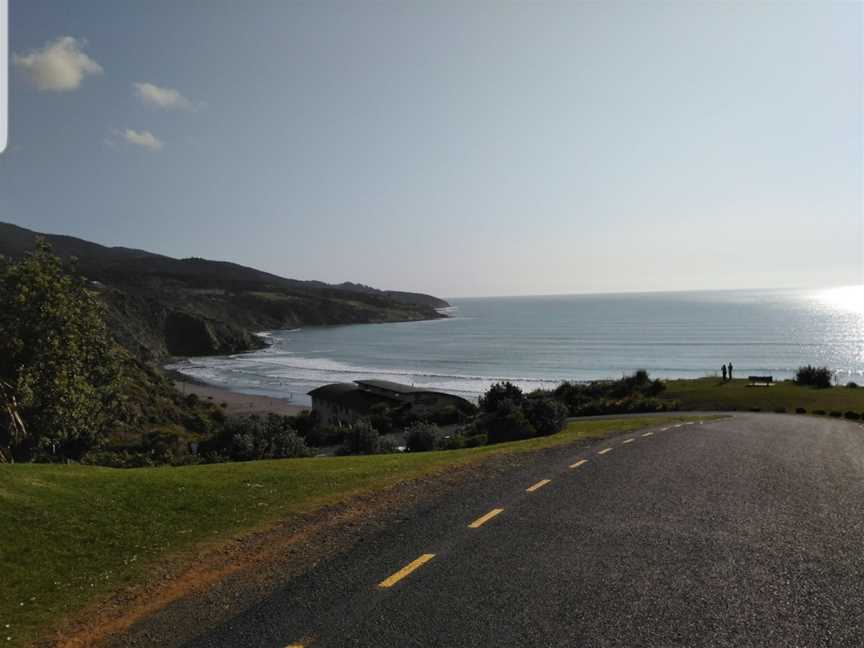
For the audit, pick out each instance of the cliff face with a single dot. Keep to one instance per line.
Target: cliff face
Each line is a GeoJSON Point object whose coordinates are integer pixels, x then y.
{"type": "Point", "coordinates": [159, 306]}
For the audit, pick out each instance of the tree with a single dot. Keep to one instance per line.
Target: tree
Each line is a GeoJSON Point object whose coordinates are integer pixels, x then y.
{"type": "Point", "coordinates": [59, 367]}
{"type": "Point", "coordinates": [503, 391]}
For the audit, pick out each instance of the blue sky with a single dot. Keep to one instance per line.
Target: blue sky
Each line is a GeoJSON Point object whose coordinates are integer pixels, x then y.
{"type": "Point", "coordinates": [481, 148]}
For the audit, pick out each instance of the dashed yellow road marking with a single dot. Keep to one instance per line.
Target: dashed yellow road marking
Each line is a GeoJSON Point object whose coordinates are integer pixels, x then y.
{"type": "Point", "coordinates": [605, 450]}
{"type": "Point", "coordinates": [579, 463]}
{"type": "Point", "coordinates": [483, 519]}
{"type": "Point", "coordinates": [628, 441]}
{"type": "Point", "coordinates": [407, 569]}
{"type": "Point", "coordinates": [648, 434]}
{"type": "Point", "coordinates": [539, 484]}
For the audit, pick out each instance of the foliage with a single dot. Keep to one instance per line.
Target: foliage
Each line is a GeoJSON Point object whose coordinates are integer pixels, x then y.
{"type": "Point", "coordinates": [59, 366]}
{"type": "Point", "coordinates": [361, 438]}
{"type": "Point", "coordinates": [507, 423]}
{"type": "Point", "coordinates": [498, 393]}
{"type": "Point", "coordinates": [546, 415]}
{"type": "Point", "coordinates": [255, 437]}
{"type": "Point", "coordinates": [819, 377]}
{"type": "Point", "coordinates": [422, 437]}
{"type": "Point", "coordinates": [634, 393]}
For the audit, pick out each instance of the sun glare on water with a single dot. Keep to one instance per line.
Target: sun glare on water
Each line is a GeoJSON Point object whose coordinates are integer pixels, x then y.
{"type": "Point", "coordinates": [846, 298]}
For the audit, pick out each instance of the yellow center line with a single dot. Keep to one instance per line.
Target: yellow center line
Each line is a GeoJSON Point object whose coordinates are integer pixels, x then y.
{"type": "Point", "coordinates": [628, 441]}
{"type": "Point", "coordinates": [578, 463]}
{"type": "Point", "coordinates": [605, 450]}
{"type": "Point", "coordinates": [407, 569]}
{"type": "Point", "coordinates": [648, 434]}
{"type": "Point", "coordinates": [485, 518]}
{"type": "Point", "coordinates": [539, 484]}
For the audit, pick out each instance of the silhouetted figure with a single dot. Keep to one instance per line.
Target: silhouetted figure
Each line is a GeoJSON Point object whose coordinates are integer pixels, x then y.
{"type": "Point", "coordinates": [723, 368]}
{"type": "Point", "coordinates": [730, 371]}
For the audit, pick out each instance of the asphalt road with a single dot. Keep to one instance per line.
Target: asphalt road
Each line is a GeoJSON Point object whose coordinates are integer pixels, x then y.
{"type": "Point", "coordinates": [746, 531]}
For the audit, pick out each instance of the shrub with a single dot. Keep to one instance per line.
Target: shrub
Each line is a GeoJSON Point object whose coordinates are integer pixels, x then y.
{"type": "Point", "coordinates": [422, 437]}
{"type": "Point", "coordinates": [852, 416]}
{"type": "Point", "coordinates": [819, 412]}
{"type": "Point", "coordinates": [253, 437]}
{"type": "Point", "coordinates": [361, 438]}
{"type": "Point", "coordinates": [836, 414]}
{"type": "Point", "coordinates": [453, 442]}
{"type": "Point", "coordinates": [508, 423]}
{"type": "Point", "coordinates": [755, 409]}
{"type": "Point", "coordinates": [325, 435]}
{"type": "Point", "coordinates": [779, 410]}
{"type": "Point", "coordinates": [498, 393]}
{"type": "Point", "coordinates": [476, 440]}
{"type": "Point", "coordinates": [852, 385]}
{"type": "Point", "coordinates": [819, 377]}
{"type": "Point", "coordinates": [800, 410]}
{"type": "Point", "coordinates": [546, 415]}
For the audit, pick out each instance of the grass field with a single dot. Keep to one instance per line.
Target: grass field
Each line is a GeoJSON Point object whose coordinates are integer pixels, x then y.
{"type": "Point", "coordinates": [713, 394]}
{"type": "Point", "coordinates": [72, 534]}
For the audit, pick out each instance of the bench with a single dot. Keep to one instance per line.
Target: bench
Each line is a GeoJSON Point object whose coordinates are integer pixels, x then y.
{"type": "Point", "coordinates": [761, 380]}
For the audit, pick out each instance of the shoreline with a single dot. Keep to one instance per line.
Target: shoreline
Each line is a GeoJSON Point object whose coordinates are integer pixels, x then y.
{"type": "Point", "coordinates": [236, 402]}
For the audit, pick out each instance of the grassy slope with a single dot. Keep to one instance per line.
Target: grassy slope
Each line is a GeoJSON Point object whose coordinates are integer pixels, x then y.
{"type": "Point", "coordinates": [714, 394]}
{"type": "Point", "coordinates": [70, 534]}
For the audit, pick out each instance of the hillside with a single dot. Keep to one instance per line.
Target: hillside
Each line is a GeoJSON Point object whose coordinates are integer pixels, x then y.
{"type": "Point", "coordinates": [160, 306]}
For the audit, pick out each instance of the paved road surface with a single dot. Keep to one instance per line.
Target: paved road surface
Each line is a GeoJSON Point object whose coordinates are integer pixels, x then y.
{"type": "Point", "coordinates": [746, 531]}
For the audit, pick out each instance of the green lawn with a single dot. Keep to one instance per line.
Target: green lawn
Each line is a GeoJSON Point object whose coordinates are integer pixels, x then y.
{"type": "Point", "coordinates": [71, 534]}
{"type": "Point", "coordinates": [714, 394]}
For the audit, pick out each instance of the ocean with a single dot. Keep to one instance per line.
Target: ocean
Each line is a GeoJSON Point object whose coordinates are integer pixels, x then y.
{"type": "Point", "coordinates": [541, 341]}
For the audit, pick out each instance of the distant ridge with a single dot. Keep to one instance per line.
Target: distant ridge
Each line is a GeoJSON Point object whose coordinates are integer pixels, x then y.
{"type": "Point", "coordinates": [161, 306]}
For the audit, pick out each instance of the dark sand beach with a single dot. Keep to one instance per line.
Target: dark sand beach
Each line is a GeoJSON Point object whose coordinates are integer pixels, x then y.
{"type": "Point", "coordinates": [240, 403]}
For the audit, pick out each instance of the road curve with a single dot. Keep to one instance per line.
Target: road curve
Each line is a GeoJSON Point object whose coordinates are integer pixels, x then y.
{"type": "Point", "coordinates": [743, 531]}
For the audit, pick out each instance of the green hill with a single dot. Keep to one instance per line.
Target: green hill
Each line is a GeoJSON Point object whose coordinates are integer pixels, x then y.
{"type": "Point", "coordinates": [160, 306]}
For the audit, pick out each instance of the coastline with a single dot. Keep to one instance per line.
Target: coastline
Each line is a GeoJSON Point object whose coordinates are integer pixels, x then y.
{"type": "Point", "coordinates": [236, 403]}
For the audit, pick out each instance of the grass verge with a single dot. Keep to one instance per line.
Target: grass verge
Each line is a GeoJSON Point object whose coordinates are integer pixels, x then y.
{"type": "Point", "coordinates": [713, 394]}
{"type": "Point", "coordinates": [72, 534]}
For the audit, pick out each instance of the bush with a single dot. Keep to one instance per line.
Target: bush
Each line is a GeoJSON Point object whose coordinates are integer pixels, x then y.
{"type": "Point", "coordinates": [476, 440]}
{"type": "Point", "coordinates": [508, 423]}
{"type": "Point", "coordinates": [453, 442]}
{"type": "Point", "coordinates": [800, 410]}
{"type": "Point", "coordinates": [819, 412]}
{"type": "Point", "coordinates": [361, 438]}
{"type": "Point", "coordinates": [755, 409]}
{"type": "Point", "coordinates": [819, 377]}
{"type": "Point", "coordinates": [852, 385]}
{"type": "Point", "coordinates": [546, 415]}
{"type": "Point", "coordinates": [836, 414]}
{"type": "Point", "coordinates": [498, 393]}
{"type": "Point", "coordinates": [253, 437]}
{"type": "Point", "coordinates": [325, 435]}
{"type": "Point", "coordinates": [779, 410]}
{"type": "Point", "coordinates": [422, 437]}
{"type": "Point", "coordinates": [852, 416]}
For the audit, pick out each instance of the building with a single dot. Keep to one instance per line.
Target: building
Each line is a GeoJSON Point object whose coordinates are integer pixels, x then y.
{"type": "Point", "coordinates": [344, 403]}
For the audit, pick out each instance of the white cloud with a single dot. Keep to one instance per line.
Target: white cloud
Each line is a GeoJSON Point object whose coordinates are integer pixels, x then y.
{"type": "Point", "coordinates": [144, 139]}
{"type": "Point", "coordinates": [60, 66]}
{"type": "Point", "coordinates": [165, 98]}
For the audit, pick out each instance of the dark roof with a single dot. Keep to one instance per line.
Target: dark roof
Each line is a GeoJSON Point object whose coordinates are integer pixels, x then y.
{"type": "Point", "coordinates": [350, 396]}
{"type": "Point", "coordinates": [395, 387]}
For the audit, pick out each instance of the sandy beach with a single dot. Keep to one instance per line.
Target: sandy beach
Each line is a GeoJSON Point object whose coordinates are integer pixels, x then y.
{"type": "Point", "coordinates": [240, 403]}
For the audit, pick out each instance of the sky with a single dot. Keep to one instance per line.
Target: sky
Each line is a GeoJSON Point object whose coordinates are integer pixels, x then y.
{"type": "Point", "coordinates": [456, 148]}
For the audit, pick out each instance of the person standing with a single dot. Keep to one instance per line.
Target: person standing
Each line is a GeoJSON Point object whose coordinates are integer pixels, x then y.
{"type": "Point", "coordinates": [723, 369]}
{"type": "Point", "coordinates": [730, 371]}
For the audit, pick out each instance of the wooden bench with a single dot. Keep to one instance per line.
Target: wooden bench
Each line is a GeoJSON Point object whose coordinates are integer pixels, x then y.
{"type": "Point", "coordinates": [761, 380]}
